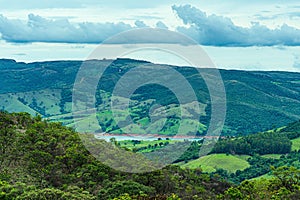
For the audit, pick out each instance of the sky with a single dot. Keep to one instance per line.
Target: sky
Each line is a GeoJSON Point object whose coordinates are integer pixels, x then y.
{"type": "Point", "coordinates": [247, 35]}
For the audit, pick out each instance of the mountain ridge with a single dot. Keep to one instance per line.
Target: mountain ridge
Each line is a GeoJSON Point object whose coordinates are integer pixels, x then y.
{"type": "Point", "coordinates": [256, 100]}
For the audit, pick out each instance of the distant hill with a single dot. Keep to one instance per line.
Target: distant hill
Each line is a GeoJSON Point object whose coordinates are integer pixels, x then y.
{"type": "Point", "coordinates": [256, 100]}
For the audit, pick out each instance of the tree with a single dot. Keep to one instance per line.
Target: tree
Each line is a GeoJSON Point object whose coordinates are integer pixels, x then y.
{"type": "Point", "coordinates": [288, 177]}
{"type": "Point", "coordinates": [55, 194]}
{"type": "Point", "coordinates": [118, 188]}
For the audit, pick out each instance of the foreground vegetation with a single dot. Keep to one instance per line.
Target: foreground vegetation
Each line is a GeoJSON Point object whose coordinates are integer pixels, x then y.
{"type": "Point", "coordinates": [42, 160]}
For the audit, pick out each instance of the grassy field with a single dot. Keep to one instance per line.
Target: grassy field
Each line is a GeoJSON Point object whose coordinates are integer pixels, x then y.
{"type": "Point", "coordinates": [10, 103]}
{"type": "Point", "coordinates": [265, 176]}
{"type": "Point", "coordinates": [296, 144]}
{"type": "Point", "coordinates": [274, 156]}
{"type": "Point", "coordinates": [151, 145]}
{"type": "Point", "coordinates": [154, 122]}
{"type": "Point", "coordinates": [212, 162]}
{"type": "Point", "coordinates": [47, 99]}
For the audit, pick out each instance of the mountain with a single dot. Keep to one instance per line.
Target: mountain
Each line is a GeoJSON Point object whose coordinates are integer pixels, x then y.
{"type": "Point", "coordinates": [256, 100]}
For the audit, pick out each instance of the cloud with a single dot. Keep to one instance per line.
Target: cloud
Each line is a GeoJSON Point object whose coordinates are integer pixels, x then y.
{"type": "Point", "coordinates": [211, 30]}
{"type": "Point", "coordinates": [19, 54]}
{"type": "Point", "coordinates": [265, 17]}
{"type": "Point", "coordinates": [294, 15]}
{"type": "Point", "coordinates": [39, 29]}
{"type": "Point", "coordinates": [150, 35]}
{"type": "Point", "coordinates": [161, 25]}
{"type": "Point", "coordinates": [140, 24]}
{"type": "Point", "coordinates": [291, 15]}
{"type": "Point", "coordinates": [143, 17]}
{"type": "Point", "coordinates": [216, 30]}
{"type": "Point", "coordinates": [41, 4]}
{"type": "Point", "coordinates": [296, 62]}
{"type": "Point", "coordinates": [38, 4]}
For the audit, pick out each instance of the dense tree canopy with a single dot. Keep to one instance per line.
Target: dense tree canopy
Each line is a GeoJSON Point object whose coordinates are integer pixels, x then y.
{"type": "Point", "coordinates": [42, 160]}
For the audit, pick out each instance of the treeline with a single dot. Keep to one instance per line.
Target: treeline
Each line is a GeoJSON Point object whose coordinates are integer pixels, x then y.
{"type": "Point", "coordinates": [259, 143]}
{"type": "Point", "coordinates": [284, 185]}
{"type": "Point", "coordinates": [191, 153]}
{"type": "Point", "coordinates": [260, 166]}
{"type": "Point", "coordinates": [292, 130]}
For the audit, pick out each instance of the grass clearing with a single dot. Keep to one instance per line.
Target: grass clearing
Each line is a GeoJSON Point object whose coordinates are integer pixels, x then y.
{"type": "Point", "coordinates": [273, 156]}
{"type": "Point", "coordinates": [265, 176]}
{"type": "Point", "coordinates": [211, 163]}
{"type": "Point", "coordinates": [151, 145]}
{"type": "Point", "coordinates": [296, 144]}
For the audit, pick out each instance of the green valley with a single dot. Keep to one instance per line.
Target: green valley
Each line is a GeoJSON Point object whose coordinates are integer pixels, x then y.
{"type": "Point", "coordinates": [256, 101]}
{"type": "Point", "coordinates": [42, 156]}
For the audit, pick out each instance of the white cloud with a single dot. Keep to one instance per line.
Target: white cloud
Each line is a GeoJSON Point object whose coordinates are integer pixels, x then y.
{"type": "Point", "coordinates": [206, 29]}
{"type": "Point", "coordinates": [221, 31]}
{"type": "Point", "coordinates": [39, 29]}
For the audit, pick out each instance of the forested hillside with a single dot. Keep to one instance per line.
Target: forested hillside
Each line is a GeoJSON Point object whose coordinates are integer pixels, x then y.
{"type": "Point", "coordinates": [43, 160]}
{"type": "Point", "coordinates": [256, 101]}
